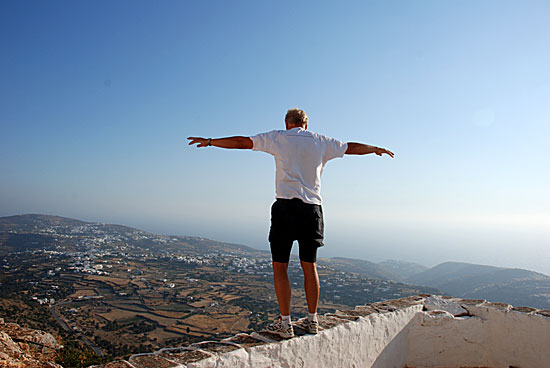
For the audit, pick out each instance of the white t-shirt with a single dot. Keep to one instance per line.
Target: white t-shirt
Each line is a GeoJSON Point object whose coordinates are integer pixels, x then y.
{"type": "Point", "coordinates": [300, 156]}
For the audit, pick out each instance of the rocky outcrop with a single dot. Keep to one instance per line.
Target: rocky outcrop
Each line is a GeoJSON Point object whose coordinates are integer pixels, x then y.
{"type": "Point", "coordinates": [26, 348]}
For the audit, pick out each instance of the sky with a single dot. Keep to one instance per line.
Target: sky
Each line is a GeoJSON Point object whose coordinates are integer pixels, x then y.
{"type": "Point", "coordinates": [97, 99]}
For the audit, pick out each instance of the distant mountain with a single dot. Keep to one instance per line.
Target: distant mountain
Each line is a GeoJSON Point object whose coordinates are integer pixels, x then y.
{"type": "Point", "coordinates": [31, 222]}
{"type": "Point", "coordinates": [35, 231]}
{"type": "Point", "coordinates": [509, 285]}
{"type": "Point", "coordinates": [360, 266]}
{"type": "Point", "coordinates": [401, 269]}
{"type": "Point", "coordinates": [221, 246]}
{"type": "Point", "coordinates": [32, 231]}
{"type": "Point", "coordinates": [118, 289]}
{"type": "Point", "coordinates": [388, 270]}
{"type": "Point", "coordinates": [24, 233]}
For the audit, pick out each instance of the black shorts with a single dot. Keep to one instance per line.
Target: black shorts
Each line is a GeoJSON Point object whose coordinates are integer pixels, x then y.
{"type": "Point", "coordinates": [292, 219]}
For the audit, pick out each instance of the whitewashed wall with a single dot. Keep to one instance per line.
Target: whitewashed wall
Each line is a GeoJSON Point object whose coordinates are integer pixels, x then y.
{"type": "Point", "coordinates": [378, 340]}
{"type": "Point", "coordinates": [420, 332]}
{"type": "Point", "coordinates": [410, 337]}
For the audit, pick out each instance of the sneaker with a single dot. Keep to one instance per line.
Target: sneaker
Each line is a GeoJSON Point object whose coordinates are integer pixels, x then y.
{"type": "Point", "coordinates": [279, 328]}
{"type": "Point", "coordinates": [311, 327]}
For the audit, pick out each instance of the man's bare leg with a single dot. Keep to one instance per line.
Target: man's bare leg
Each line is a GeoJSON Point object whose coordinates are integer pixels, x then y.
{"type": "Point", "coordinates": [311, 285]}
{"type": "Point", "coordinates": [282, 286]}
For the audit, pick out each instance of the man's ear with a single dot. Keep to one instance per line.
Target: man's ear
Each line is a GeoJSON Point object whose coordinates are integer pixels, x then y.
{"type": "Point", "coordinates": [305, 127]}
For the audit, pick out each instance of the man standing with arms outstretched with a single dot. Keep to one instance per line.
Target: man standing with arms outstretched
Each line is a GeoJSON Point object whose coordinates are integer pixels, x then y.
{"type": "Point", "coordinates": [300, 156]}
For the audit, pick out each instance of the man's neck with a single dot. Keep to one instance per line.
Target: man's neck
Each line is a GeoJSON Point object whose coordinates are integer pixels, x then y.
{"type": "Point", "coordinates": [296, 126]}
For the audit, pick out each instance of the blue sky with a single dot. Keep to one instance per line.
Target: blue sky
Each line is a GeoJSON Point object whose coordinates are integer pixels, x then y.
{"type": "Point", "coordinates": [97, 98]}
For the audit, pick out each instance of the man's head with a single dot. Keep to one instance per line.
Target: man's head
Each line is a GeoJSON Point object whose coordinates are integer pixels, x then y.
{"type": "Point", "coordinates": [296, 118]}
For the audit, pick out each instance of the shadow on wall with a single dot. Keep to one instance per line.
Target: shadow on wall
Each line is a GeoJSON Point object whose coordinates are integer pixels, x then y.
{"type": "Point", "coordinates": [397, 347]}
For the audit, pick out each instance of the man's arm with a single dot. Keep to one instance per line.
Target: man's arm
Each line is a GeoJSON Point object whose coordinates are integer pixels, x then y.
{"type": "Point", "coordinates": [237, 142]}
{"type": "Point", "coordinates": [365, 149]}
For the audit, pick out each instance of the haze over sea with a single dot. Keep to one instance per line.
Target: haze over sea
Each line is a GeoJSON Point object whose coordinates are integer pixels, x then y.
{"type": "Point", "coordinates": [98, 97]}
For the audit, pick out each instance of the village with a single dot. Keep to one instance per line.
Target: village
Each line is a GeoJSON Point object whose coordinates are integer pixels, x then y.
{"type": "Point", "coordinates": [121, 291]}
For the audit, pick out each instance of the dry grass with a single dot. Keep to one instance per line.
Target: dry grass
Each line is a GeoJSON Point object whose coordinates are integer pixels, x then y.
{"type": "Point", "coordinates": [139, 284]}
{"type": "Point", "coordinates": [229, 297]}
{"type": "Point", "coordinates": [82, 292]}
{"type": "Point", "coordinates": [182, 330]}
{"type": "Point", "coordinates": [117, 314]}
{"type": "Point", "coordinates": [173, 315]}
{"type": "Point", "coordinates": [109, 280]}
{"type": "Point", "coordinates": [163, 334]}
{"type": "Point", "coordinates": [201, 303]}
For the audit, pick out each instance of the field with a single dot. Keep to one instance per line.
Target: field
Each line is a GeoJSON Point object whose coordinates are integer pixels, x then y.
{"type": "Point", "coordinates": [120, 291]}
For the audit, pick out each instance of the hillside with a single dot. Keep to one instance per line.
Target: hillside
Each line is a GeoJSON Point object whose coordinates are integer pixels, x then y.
{"type": "Point", "coordinates": [30, 222]}
{"type": "Point", "coordinates": [514, 286]}
{"type": "Point", "coordinates": [392, 270]}
{"type": "Point", "coordinates": [30, 231]}
{"type": "Point", "coordinates": [402, 270]}
{"type": "Point", "coordinates": [118, 290]}
{"type": "Point", "coordinates": [360, 266]}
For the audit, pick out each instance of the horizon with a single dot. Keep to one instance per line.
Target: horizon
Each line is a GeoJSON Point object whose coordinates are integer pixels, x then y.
{"type": "Point", "coordinates": [98, 99]}
{"type": "Point", "coordinates": [294, 250]}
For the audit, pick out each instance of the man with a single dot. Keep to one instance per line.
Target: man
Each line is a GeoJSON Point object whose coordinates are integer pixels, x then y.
{"type": "Point", "coordinates": [300, 156]}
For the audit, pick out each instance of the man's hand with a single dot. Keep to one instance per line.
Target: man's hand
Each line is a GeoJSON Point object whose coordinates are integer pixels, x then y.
{"type": "Point", "coordinates": [364, 149]}
{"type": "Point", "coordinates": [199, 141]}
{"type": "Point", "coordinates": [379, 151]}
{"type": "Point", "coordinates": [236, 142]}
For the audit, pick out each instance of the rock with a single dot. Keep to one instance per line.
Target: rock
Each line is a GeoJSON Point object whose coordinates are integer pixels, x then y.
{"type": "Point", "coordinates": [27, 335]}
{"type": "Point", "coordinates": [22, 347]}
{"type": "Point", "coordinates": [524, 309]}
{"type": "Point", "coordinates": [435, 303]}
{"type": "Point", "coordinates": [8, 346]}
{"type": "Point", "coordinates": [440, 314]}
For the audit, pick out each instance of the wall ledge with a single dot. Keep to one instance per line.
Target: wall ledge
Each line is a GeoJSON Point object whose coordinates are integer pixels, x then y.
{"type": "Point", "coordinates": [417, 331]}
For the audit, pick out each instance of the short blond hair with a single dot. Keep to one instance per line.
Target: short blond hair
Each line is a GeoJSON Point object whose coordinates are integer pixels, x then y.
{"type": "Point", "coordinates": [295, 116]}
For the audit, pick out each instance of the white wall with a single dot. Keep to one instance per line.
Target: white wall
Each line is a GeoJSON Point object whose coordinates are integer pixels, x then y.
{"type": "Point", "coordinates": [516, 339]}
{"type": "Point", "coordinates": [378, 340]}
{"type": "Point", "coordinates": [492, 335]}
{"type": "Point", "coordinates": [449, 342]}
